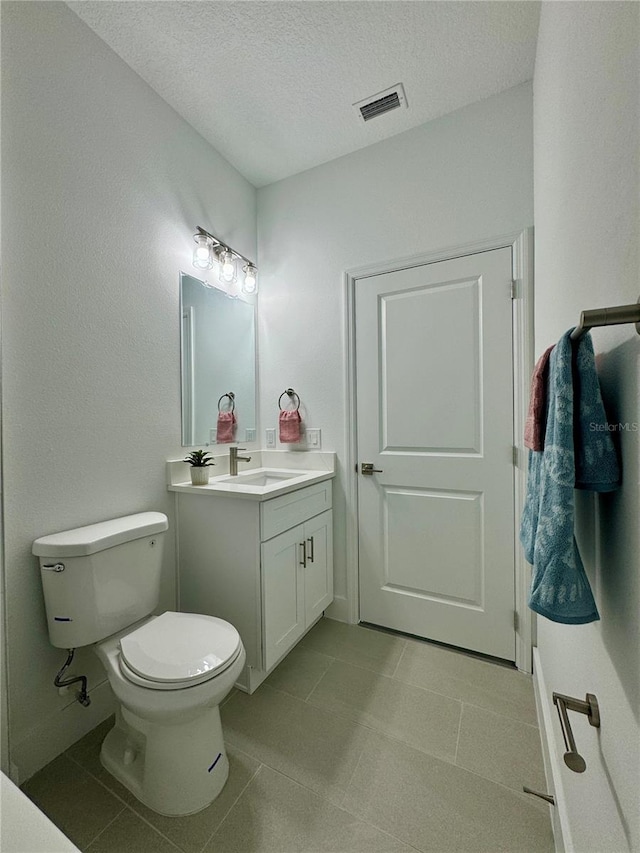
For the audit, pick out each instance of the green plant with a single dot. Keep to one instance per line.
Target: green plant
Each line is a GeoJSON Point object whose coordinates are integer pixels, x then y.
{"type": "Point", "coordinates": [199, 459]}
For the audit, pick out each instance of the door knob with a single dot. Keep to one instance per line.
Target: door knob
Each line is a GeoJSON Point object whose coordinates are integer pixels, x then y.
{"type": "Point", "coordinates": [368, 469]}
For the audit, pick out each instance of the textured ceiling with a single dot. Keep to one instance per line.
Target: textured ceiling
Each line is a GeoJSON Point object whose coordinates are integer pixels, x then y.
{"type": "Point", "coordinates": [271, 84]}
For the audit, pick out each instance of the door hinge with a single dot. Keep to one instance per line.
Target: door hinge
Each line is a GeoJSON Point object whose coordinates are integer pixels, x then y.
{"type": "Point", "coordinates": [516, 620]}
{"type": "Point", "coordinates": [514, 455]}
{"type": "Point", "coordinates": [514, 288]}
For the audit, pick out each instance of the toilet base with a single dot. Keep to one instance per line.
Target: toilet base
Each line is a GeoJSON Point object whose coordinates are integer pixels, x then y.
{"type": "Point", "coordinates": [173, 769]}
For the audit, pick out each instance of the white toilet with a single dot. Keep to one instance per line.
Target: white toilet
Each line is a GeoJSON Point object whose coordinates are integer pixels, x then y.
{"type": "Point", "coordinates": [169, 673]}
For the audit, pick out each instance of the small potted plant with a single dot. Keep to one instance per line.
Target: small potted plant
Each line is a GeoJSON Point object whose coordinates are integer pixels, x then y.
{"type": "Point", "coordinates": [200, 462]}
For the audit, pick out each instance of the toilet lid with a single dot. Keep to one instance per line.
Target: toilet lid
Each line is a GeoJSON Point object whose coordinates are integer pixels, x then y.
{"type": "Point", "coordinates": [179, 647]}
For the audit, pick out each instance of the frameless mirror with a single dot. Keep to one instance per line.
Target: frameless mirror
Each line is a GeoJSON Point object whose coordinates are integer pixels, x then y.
{"type": "Point", "coordinates": [218, 356]}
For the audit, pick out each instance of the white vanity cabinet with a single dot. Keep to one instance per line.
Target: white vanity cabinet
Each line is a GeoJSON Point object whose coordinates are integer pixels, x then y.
{"type": "Point", "coordinates": [265, 566]}
{"type": "Point", "coordinates": [296, 584]}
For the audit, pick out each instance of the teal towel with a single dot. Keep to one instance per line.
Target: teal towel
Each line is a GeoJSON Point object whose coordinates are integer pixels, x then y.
{"type": "Point", "coordinates": [578, 453]}
{"type": "Point", "coordinates": [597, 468]}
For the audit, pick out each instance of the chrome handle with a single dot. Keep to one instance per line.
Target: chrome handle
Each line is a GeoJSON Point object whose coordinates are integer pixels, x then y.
{"type": "Point", "coordinates": [53, 567]}
{"type": "Point", "coordinates": [310, 541]}
{"type": "Point", "coordinates": [303, 545]}
{"type": "Point", "coordinates": [368, 469]}
{"type": "Point", "coordinates": [589, 707]}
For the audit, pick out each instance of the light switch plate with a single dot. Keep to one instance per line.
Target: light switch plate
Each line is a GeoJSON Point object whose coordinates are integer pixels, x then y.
{"type": "Point", "coordinates": [313, 438]}
{"type": "Point", "coordinates": [213, 436]}
{"type": "Point", "coordinates": [249, 435]}
{"type": "Point", "coordinates": [270, 437]}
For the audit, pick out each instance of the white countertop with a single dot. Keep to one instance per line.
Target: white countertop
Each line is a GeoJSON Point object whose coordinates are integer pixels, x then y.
{"type": "Point", "coordinates": [299, 468]}
{"type": "Point", "coordinates": [234, 487]}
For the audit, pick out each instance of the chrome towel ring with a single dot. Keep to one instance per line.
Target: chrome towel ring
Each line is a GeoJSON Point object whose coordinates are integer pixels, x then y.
{"type": "Point", "coordinates": [290, 394]}
{"type": "Point", "coordinates": [232, 401]}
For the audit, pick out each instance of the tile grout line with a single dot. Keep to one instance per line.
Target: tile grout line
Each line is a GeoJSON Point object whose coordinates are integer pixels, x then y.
{"type": "Point", "coordinates": [99, 781]}
{"type": "Point", "coordinates": [351, 778]}
{"type": "Point", "coordinates": [368, 728]}
{"type": "Point", "coordinates": [104, 828]}
{"type": "Point", "coordinates": [233, 804]}
{"type": "Point", "coordinates": [395, 669]}
{"type": "Point", "coordinates": [125, 805]}
{"type": "Point", "coordinates": [291, 779]}
{"type": "Point", "coordinates": [306, 699]}
{"type": "Point", "coordinates": [403, 743]}
{"type": "Point", "coordinates": [515, 791]}
{"type": "Point", "coordinates": [502, 716]}
{"type": "Point", "coordinates": [417, 687]}
{"type": "Point", "coordinates": [457, 699]}
{"type": "Point", "coordinates": [344, 716]}
{"type": "Point", "coordinates": [340, 807]}
{"type": "Point", "coordinates": [455, 755]}
{"type": "Point", "coordinates": [380, 829]}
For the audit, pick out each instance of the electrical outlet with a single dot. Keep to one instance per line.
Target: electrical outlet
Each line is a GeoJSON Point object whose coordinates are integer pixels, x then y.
{"type": "Point", "coordinates": [313, 438]}
{"type": "Point", "coordinates": [270, 437]}
{"type": "Point", "coordinates": [249, 435]}
{"type": "Point", "coordinates": [213, 436]}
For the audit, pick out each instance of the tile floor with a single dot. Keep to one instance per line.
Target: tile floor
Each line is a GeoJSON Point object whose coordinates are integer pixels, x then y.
{"type": "Point", "coordinates": [359, 741]}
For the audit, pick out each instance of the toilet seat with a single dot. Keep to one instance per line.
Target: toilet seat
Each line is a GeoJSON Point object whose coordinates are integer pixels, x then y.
{"type": "Point", "coordinates": [178, 650]}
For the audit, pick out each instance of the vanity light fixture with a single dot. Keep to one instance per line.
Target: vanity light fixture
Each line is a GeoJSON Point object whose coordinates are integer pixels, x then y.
{"type": "Point", "coordinates": [228, 268]}
{"type": "Point", "coordinates": [250, 284]}
{"type": "Point", "coordinates": [209, 249]}
{"type": "Point", "coordinates": [203, 252]}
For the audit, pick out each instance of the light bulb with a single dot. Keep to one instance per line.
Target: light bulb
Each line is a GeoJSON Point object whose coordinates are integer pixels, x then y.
{"type": "Point", "coordinates": [202, 254]}
{"type": "Point", "coordinates": [227, 267]}
{"type": "Point", "coordinates": [250, 279]}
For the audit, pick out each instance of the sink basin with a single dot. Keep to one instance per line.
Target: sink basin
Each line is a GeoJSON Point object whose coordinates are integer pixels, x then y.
{"type": "Point", "coordinates": [265, 477]}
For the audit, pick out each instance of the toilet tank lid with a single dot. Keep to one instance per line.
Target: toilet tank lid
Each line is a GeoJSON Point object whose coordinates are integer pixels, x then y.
{"type": "Point", "coordinates": [98, 537]}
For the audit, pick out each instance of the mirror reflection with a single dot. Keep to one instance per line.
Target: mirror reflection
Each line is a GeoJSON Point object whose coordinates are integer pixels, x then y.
{"type": "Point", "coordinates": [218, 355]}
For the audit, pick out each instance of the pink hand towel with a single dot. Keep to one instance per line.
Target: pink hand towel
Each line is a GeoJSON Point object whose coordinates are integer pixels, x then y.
{"type": "Point", "coordinates": [226, 427]}
{"type": "Point", "coordinates": [289, 422]}
{"type": "Point", "coordinates": [536, 422]}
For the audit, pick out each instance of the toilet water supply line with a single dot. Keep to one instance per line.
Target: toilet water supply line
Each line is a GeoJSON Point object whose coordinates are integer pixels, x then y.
{"type": "Point", "coordinates": [82, 696]}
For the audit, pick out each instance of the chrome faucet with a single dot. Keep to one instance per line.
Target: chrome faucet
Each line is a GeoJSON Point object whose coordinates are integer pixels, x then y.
{"type": "Point", "coordinates": [234, 459]}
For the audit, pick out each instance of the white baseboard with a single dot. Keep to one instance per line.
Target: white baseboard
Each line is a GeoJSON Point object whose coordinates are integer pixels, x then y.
{"type": "Point", "coordinates": [46, 742]}
{"type": "Point", "coordinates": [552, 767]}
{"type": "Point", "coordinates": [338, 610]}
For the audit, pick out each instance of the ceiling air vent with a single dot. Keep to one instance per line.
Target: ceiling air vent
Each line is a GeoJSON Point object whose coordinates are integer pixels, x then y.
{"type": "Point", "coordinates": [382, 102]}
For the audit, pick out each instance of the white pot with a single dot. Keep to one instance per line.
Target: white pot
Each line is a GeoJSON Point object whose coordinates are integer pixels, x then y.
{"type": "Point", "coordinates": [199, 475]}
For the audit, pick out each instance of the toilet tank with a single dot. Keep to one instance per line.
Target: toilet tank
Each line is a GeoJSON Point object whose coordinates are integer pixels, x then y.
{"type": "Point", "coordinates": [101, 578]}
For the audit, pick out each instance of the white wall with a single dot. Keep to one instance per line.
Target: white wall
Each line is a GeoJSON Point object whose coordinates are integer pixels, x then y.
{"type": "Point", "coordinates": [586, 138]}
{"type": "Point", "coordinates": [459, 179]}
{"type": "Point", "coordinates": [103, 185]}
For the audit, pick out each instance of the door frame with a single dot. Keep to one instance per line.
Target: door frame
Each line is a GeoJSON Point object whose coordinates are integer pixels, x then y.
{"type": "Point", "coordinates": [521, 244]}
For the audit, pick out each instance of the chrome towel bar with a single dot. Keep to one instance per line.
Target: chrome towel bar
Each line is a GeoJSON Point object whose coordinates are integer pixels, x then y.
{"type": "Point", "coordinates": [589, 707]}
{"type": "Point", "coordinates": [614, 316]}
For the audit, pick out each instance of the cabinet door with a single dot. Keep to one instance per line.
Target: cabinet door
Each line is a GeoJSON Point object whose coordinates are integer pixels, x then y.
{"type": "Point", "coordinates": [318, 572]}
{"type": "Point", "coordinates": [282, 593]}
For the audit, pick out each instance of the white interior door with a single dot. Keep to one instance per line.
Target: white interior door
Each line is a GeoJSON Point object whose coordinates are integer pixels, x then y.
{"type": "Point", "coordinates": [435, 416]}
